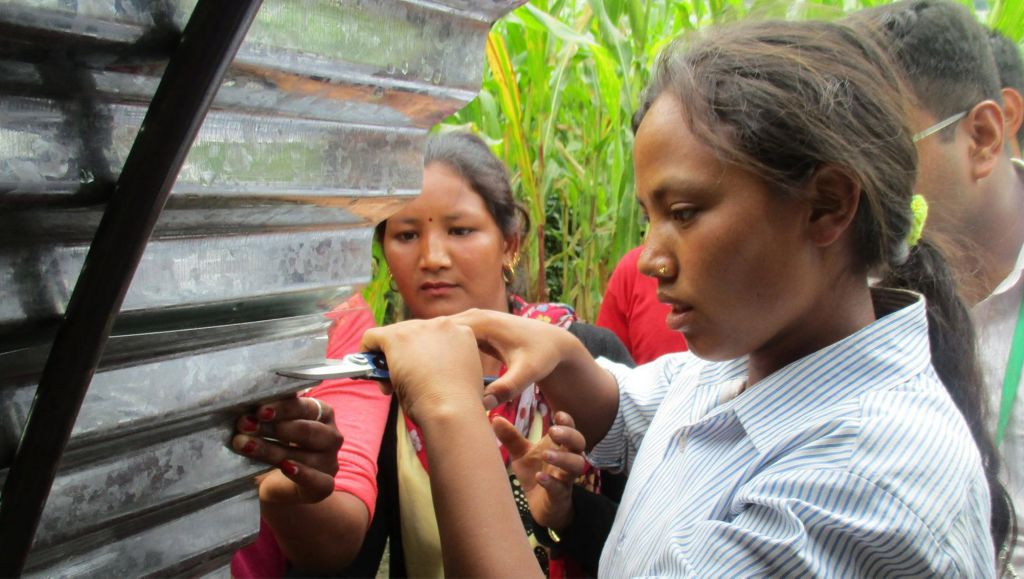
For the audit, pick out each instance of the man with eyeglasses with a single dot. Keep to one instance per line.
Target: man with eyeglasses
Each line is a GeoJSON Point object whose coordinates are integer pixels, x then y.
{"type": "Point", "coordinates": [974, 191]}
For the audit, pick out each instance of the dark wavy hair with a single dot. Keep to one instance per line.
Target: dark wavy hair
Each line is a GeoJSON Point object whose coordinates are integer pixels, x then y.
{"type": "Point", "coordinates": [942, 51]}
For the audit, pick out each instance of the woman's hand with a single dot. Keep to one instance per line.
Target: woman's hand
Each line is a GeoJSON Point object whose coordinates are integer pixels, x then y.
{"type": "Point", "coordinates": [434, 365]}
{"type": "Point", "coordinates": [546, 470]}
{"type": "Point", "coordinates": [300, 438]}
{"type": "Point", "coordinates": [530, 349]}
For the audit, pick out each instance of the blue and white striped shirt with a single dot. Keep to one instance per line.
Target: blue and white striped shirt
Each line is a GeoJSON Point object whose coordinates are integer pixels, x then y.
{"type": "Point", "coordinates": [852, 461]}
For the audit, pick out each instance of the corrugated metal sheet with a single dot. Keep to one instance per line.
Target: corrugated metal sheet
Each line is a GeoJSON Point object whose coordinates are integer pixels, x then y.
{"type": "Point", "coordinates": [315, 134]}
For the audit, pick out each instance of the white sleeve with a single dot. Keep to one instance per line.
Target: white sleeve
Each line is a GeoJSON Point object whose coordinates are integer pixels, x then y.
{"type": "Point", "coordinates": [641, 392]}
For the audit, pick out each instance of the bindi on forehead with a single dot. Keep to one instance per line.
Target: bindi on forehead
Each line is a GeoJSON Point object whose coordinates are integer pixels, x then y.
{"type": "Point", "coordinates": [430, 219]}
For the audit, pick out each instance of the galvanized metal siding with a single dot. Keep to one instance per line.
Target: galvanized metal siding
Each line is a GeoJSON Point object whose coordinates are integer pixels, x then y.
{"type": "Point", "coordinates": [316, 133]}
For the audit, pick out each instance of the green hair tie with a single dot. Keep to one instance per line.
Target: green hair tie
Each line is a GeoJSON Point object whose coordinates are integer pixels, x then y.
{"type": "Point", "coordinates": [919, 207]}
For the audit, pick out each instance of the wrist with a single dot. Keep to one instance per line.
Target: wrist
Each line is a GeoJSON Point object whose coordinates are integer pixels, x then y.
{"type": "Point", "coordinates": [560, 523]}
{"type": "Point", "coordinates": [445, 411]}
{"type": "Point", "coordinates": [573, 357]}
{"type": "Point", "coordinates": [556, 532]}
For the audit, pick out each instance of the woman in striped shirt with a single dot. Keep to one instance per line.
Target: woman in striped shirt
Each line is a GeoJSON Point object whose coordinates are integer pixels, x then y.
{"type": "Point", "coordinates": [818, 426]}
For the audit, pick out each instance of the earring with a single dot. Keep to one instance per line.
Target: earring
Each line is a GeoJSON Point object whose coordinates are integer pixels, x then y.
{"type": "Point", "coordinates": [508, 270]}
{"type": "Point", "coordinates": [391, 283]}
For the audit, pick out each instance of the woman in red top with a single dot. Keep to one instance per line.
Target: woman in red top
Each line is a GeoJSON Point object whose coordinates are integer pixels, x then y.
{"type": "Point", "coordinates": [453, 248]}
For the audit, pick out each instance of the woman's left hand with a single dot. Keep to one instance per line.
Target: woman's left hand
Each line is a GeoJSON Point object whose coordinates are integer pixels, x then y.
{"type": "Point", "coordinates": [300, 438]}
{"type": "Point", "coordinates": [548, 469]}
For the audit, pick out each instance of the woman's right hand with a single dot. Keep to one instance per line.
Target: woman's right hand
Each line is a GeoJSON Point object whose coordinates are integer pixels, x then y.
{"type": "Point", "coordinates": [434, 365]}
{"type": "Point", "coordinates": [546, 470]}
{"type": "Point", "coordinates": [530, 349]}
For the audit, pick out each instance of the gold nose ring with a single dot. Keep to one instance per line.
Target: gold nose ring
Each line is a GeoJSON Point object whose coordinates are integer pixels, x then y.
{"type": "Point", "coordinates": [662, 270]}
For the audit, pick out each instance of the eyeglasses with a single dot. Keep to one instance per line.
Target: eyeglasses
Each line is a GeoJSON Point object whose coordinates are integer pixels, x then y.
{"type": "Point", "coordinates": [939, 126]}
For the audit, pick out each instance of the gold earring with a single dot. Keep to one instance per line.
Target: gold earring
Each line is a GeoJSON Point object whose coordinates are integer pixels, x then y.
{"type": "Point", "coordinates": [391, 283]}
{"type": "Point", "coordinates": [508, 270]}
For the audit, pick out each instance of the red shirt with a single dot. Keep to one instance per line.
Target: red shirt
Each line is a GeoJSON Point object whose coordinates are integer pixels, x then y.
{"type": "Point", "coordinates": [630, 308]}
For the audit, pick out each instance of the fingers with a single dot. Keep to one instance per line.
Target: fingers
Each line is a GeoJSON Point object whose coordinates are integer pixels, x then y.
{"type": "Point", "coordinates": [510, 438]}
{"type": "Point", "coordinates": [308, 435]}
{"type": "Point", "coordinates": [568, 466]}
{"type": "Point", "coordinates": [568, 460]}
{"type": "Point", "coordinates": [506, 387]}
{"type": "Point", "coordinates": [475, 318]}
{"type": "Point", "coordinates": [557, 509]}
{"type": "Point", "coordinates": [265, 419]}
{"type": "Point", "coordinates": [302, 408]}
{"type": "Point", "coordinates": [373, 340]}
{"type": "Point", "coordinates": [568, 438]}
{"type": "Point", "coordinates": [553, 509]}
{"type": "Point", "coordinates": [273, 453]}
{"type": "Point", "coordinates": [296, 429]}
{"type": "Point", "coordinates": [564, 419]}
{"type": "Point", "coordinates": [498, 392]}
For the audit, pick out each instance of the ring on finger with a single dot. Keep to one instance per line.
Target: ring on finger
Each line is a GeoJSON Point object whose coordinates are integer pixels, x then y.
{"type": "Point", "coordinates": [319, 409]}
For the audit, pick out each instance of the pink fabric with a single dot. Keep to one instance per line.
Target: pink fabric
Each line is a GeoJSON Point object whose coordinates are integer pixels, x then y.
{"type": "Point", "coordinates": [262, 558]}
{"type": "Point", "coordinates": [631, 309]}
{"type": "Point", "coordinates": [360, 412]}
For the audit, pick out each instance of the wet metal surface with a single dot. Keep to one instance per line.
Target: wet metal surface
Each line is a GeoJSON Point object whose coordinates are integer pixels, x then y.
{"type": "Point", "coordinates": [184, 271]}
{"type": "Point", "coordinates": [315, 134]}
{"type": "Point", "coordinates": [180, 540]}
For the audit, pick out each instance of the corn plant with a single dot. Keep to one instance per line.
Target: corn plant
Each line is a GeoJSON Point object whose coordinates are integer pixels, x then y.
{"type": "Point", "coordinates": [562, 83]}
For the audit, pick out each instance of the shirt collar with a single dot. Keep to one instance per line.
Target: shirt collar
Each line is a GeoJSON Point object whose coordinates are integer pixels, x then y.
{"type": "Point", "coordinates": [890, 350]}
{"type": "Point", "coordinates": [1014, 276]}
{"type": "Point", "coordinates": [1011, 280]}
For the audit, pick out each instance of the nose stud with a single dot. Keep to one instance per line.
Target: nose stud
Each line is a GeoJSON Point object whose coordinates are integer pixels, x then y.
{"type": "Point", "coordinates": [662, 270]}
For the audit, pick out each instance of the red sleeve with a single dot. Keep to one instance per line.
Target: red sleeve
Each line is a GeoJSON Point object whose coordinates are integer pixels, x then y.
{"type": "Point", "coordinates": [360, 410]}
{"type": "Point", "coordinates": [615, 306]}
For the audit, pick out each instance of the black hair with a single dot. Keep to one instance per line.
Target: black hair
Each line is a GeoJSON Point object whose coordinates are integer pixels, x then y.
{"type": "Point", "coordinates": [942, 51]}
{"type": "Point", "coordinates": [471, 159]}
{"type": "Point", "coordinates": [783, 99]}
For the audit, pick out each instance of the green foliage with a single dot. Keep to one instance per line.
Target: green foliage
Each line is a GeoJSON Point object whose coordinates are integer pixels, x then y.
{"type": "Point", "coordinates": [383, 302]}
{"type": "Point", "coordinates": [563, 80]}
{"type": "Point", "coordinates": [1007, 16]}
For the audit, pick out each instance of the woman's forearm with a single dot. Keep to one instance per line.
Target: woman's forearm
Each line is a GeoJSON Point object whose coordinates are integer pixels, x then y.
{"type": "Point", "coordinates": [480, 528]}
{"type": "Point", "coordinates": [583, 389]}
{"type": "Point", "coordinates": [321, 537]}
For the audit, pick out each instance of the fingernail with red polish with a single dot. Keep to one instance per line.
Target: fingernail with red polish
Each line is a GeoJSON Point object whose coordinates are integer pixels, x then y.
{"type": "Point", "coordinates": [249, 447]}
{"type": "Point", "coordinates": [249, 424]}
{"type": "Point", "coordinates": [267, 413]}
{"type": "Point", "coordinates": [289, 468]}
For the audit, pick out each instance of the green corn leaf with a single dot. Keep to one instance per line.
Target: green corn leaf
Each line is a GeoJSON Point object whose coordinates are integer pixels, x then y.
{"type": "Point", "coordinates": [542, 21]}
{"type": "Point", "coordinates": [1007, 16]}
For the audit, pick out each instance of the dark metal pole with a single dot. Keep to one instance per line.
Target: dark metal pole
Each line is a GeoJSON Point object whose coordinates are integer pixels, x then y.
{"type": "Point", "coordinates": [193, 75]}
